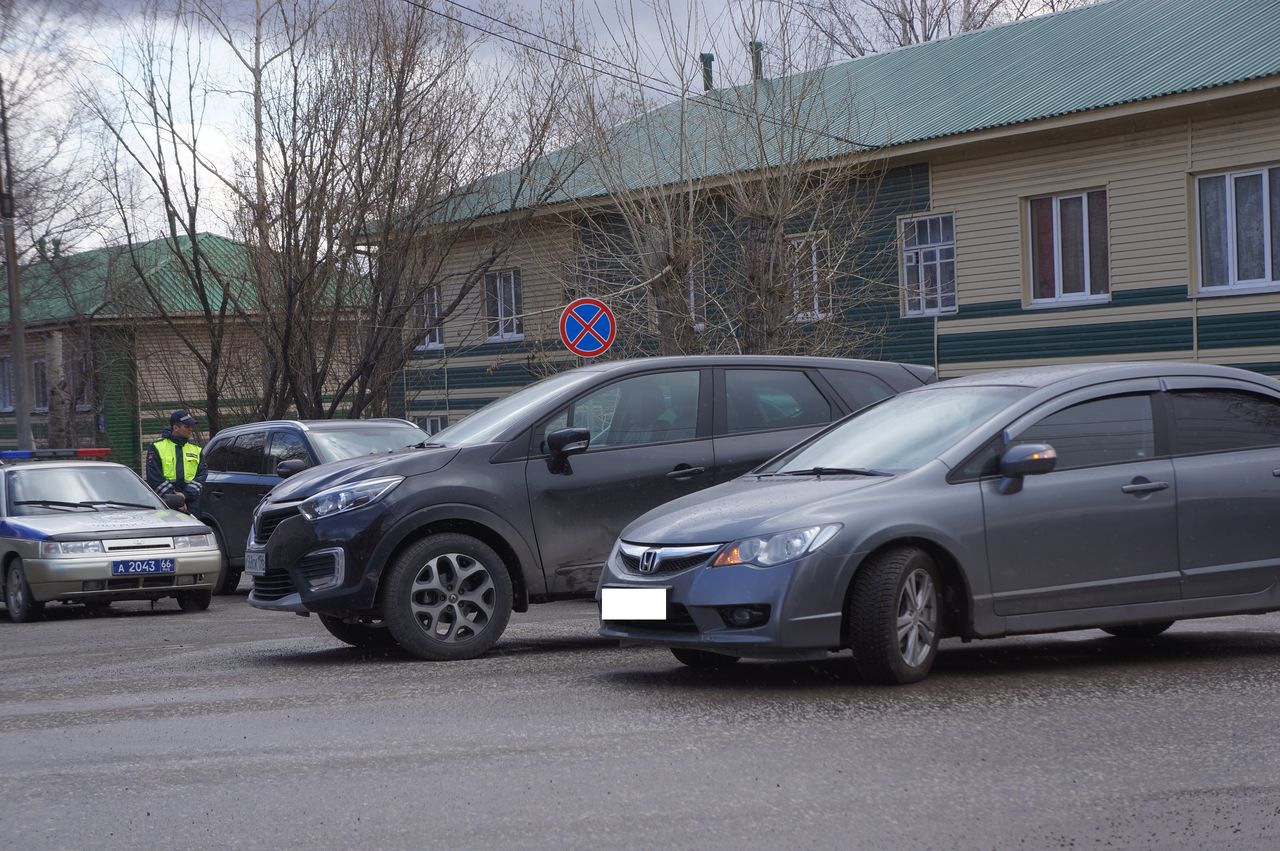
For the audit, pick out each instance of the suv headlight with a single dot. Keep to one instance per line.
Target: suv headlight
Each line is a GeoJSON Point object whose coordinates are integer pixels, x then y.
{"type": "Point", "coordinates": [346, 497]}
{"type": "Point", "coordinates": [53, 549]}
{"type": "Point", "coordinates": [194, 542]}
{"type": "Point", "coordinates": [775, 549]}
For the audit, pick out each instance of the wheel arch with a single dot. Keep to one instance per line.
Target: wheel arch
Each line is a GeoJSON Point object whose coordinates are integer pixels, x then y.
{"type": "Point", "coordinates": [477, 523]}
{"type": "Point", "coordinates": [957, 595]}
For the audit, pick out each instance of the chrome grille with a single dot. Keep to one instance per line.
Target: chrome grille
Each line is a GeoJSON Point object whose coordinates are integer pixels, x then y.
{"type": "Point", "coordinates": [661, 560]}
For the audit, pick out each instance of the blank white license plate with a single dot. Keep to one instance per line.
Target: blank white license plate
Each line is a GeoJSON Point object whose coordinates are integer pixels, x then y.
{"type": "Point", "coordinates": [633, 604]}
{"type": "Point", "coordinates": [255, 564]}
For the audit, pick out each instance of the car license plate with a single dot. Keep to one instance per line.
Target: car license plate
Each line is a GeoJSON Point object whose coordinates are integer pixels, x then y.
{"type": "Point", "coordinates": [255, 564]}
{"type": "Point", "coordinates": [633, 604]}
{"type": "Point", "coordinates": [142, 566]}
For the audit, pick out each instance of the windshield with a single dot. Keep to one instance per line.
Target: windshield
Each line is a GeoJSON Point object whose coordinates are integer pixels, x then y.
{"type": "Point", "coordinates": [363, 439]}
{"type": "Point", "coordinates": [490, 421]}
{"type": "Point", "coordinates": [901, 433]}
{"type": "Point", "coordinates": [59, 490]}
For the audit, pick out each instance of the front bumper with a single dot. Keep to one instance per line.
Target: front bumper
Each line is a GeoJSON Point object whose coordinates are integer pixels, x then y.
{"type": "Point", "coordinates": [64, 578]}
{"type": "Point", "coordinates": [805, 599]}
{"type": "Point", "coordinates": [319, 566]}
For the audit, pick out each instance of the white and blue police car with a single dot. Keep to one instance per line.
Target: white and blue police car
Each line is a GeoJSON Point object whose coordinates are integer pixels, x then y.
{"type": "Point", "coordinates": [78, 529]}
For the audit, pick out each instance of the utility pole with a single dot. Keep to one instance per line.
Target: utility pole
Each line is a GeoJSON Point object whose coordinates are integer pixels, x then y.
{"type": "Point", "coordinates": [17, 331]}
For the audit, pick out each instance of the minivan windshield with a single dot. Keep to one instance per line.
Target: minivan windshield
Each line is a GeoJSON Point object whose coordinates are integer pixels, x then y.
{"type": "Point", "coordinates": [338, 444]}
{"type": "Point", "coordinates": [493, 419]}
{"type": "Point", "coordinates": [901, 433]}
{"type": "Point", "coordinates": [57, 490]}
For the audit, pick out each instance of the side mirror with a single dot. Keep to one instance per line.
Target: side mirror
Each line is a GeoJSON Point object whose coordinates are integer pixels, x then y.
{"type": "Point", "coordinates": [292, 467]}
{"type": "Point", "coordinates": [563, 443]}
{"type": "Point", "coordinates": [1025, 459]}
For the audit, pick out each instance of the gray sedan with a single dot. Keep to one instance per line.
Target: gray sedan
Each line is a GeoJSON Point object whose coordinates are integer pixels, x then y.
{"type": "Point", "coordinates": [1118, 496]}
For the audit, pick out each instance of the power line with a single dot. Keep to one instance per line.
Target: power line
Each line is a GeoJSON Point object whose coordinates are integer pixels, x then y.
{"type": "Point", "coordinates": [633, 78]}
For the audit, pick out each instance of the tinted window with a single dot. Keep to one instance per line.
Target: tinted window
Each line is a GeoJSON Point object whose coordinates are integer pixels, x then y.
{"type": "Point", "coordinates": [1103, 431]}
{"type": "Point", "coordinates": [757, 399]}
{"type": "Point", "coordinates": [1223, 420]}
{"type": "Point", "coordinates": [287, 446]}
{"type": "Point", "coordinates": [637, 411]}
{"type": "Point", "coordinates": [217, 453]}
{"type": "Point", "coordinates": [857, 388]}
{"type": "Point", "coordinates": [246, 453]}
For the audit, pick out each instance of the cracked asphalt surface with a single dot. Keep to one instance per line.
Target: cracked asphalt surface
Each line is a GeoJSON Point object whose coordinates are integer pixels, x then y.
{"type": "Point", "coordinates": [234, 728]}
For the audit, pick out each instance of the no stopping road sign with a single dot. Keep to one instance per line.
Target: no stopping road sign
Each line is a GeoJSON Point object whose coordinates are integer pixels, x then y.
{"type": "Point", "coordinates": [587, 327]}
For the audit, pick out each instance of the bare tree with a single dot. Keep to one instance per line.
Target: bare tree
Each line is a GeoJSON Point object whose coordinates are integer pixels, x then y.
{"type": "Point", "coordinates": [860, 27]}
{"type": "Point", "coordinates": [729, 221]}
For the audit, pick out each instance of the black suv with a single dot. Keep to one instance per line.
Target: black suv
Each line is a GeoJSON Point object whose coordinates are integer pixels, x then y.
{"type": "Point", "coordinates": [247, 461]}
{"type": "Point", "coordinates": [520, 503]}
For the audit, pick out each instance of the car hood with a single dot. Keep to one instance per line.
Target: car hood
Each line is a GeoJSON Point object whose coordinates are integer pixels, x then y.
{"type": "Point", "coordinates": [410, 462]}
{"type": "Point", "coordinates": [750, 506]}
{"type": "Point", "coordinates": [99, 525]}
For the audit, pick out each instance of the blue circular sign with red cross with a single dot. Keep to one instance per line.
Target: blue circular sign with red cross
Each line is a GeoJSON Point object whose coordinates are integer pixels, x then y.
{"type": "Point", "coordinates": [587, 327]}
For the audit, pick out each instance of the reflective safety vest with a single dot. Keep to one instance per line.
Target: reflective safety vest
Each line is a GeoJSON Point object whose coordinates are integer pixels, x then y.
{"type": "Point", "coordinates": [167, 451]}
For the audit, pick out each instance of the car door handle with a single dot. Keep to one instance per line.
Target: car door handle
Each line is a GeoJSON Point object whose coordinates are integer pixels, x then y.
{"type": "Point", "coordinates": [1276, 473]}
{"type": "Point", "coordinates": [1144, 487]}
{"type": "Point", "coordinates": [684, 471]}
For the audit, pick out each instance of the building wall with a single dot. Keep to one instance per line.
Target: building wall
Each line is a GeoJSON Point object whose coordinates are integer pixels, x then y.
{"type": "Point", "coordinates": [1154, 311]}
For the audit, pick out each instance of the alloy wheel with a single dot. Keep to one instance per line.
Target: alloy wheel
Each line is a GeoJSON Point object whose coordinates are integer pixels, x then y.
{"type": "Point", "coordinates": [453, 597]}
{"type": "Point", "coordinates": [917, 617]}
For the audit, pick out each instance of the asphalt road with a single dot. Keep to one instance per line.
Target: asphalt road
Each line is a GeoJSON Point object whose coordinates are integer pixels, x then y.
{"type": "Point", "coordinates": [235, 728]}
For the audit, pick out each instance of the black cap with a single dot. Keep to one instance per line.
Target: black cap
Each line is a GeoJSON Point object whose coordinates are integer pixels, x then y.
{"type": "Point", "coordinates": [181, 417]}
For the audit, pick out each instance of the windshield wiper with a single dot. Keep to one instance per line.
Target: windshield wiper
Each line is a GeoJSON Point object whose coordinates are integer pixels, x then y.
{"type": "Point", "coordinates": [53, 503]}
{"type": "Point", "coordinates": [90, 503]}
{"type": "Point", "coordinates": [426, 444]}
{"type": "Point", "coordinates": [832, 471]}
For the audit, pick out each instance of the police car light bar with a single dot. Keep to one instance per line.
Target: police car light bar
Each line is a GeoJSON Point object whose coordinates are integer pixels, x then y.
{"type": "Point", "coordinates": [39, 454]}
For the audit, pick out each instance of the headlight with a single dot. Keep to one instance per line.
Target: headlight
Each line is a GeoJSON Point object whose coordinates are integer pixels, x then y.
{"type": "Point", "coordinates": [346, 497]}
{"type": "Point", "coordinates": [775, 549]}
{"type": "Point", "coordinates": [53, 549]}
{"type": "Point", "coordinates": [194, 542]}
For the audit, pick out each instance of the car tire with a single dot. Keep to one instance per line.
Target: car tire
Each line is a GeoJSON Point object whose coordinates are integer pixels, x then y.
{"type": "Point", "coordinates": [228, 576]}
{"type": "Point", "coordinates": [447, 597]}
{"type": "Point", "coordinates": [703, 659]}
{"type": "Point", "coordinates": [23, 608]}
{"type": "Point", "coordinates": [1138, 630]}
{"type": "Point", "coordinates": [895, 616]}
{"type": "Point", "coordinates": [195, 601]}
{"type": "Point", "coordinates": [365, 636]}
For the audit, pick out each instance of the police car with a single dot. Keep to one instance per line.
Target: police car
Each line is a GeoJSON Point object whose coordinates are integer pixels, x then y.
{"type": "Point", "coordinates": [78, 529]}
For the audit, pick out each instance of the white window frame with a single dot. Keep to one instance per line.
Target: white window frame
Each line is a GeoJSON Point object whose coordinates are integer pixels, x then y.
{"type": "Point", "coordinates": [1268, 268]}
{"type": "Point", "coordinates": [432, 338]}
{"type": "Point", "coordinates": [1059, 297]}
{"type": "Point", "coordinates": [6, 383]}
{"type": "Point", "coordinates": [510, 327]}
{"type": "Point", "coordinates": [808, 312]}
{"type": "Point", "coordinates": [913, 256]}
{"type": "Point", "coordinates": [435, 423]}
{"type": "Point", "coordinates": [35, 400]}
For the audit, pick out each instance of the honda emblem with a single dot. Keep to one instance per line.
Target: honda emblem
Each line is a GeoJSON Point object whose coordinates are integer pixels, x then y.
{"type": "Point", "coordinates": [649, 561]}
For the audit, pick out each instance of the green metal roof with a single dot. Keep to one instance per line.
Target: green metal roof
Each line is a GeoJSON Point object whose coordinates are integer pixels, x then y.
{"type": "Point", "coordinates": [1111, 53]}
{"type": "Point", "coordinates": [106, 282]}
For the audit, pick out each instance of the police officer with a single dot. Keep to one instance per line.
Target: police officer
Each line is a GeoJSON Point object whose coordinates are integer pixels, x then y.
{"type": "Point", "coordinates": [175, 465]}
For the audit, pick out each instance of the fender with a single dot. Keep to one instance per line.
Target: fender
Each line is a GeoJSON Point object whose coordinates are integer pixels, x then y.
{"type": "Point", "coordinates": [530, 567]}
{"type": "Point", "coordinates": [970, 561]}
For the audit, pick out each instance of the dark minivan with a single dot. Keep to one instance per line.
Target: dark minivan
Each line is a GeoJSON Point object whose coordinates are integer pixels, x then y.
{"type": "Point", "coordinates": [521, 501]}
{"type": "Point", "coordinates": [247, 461]}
